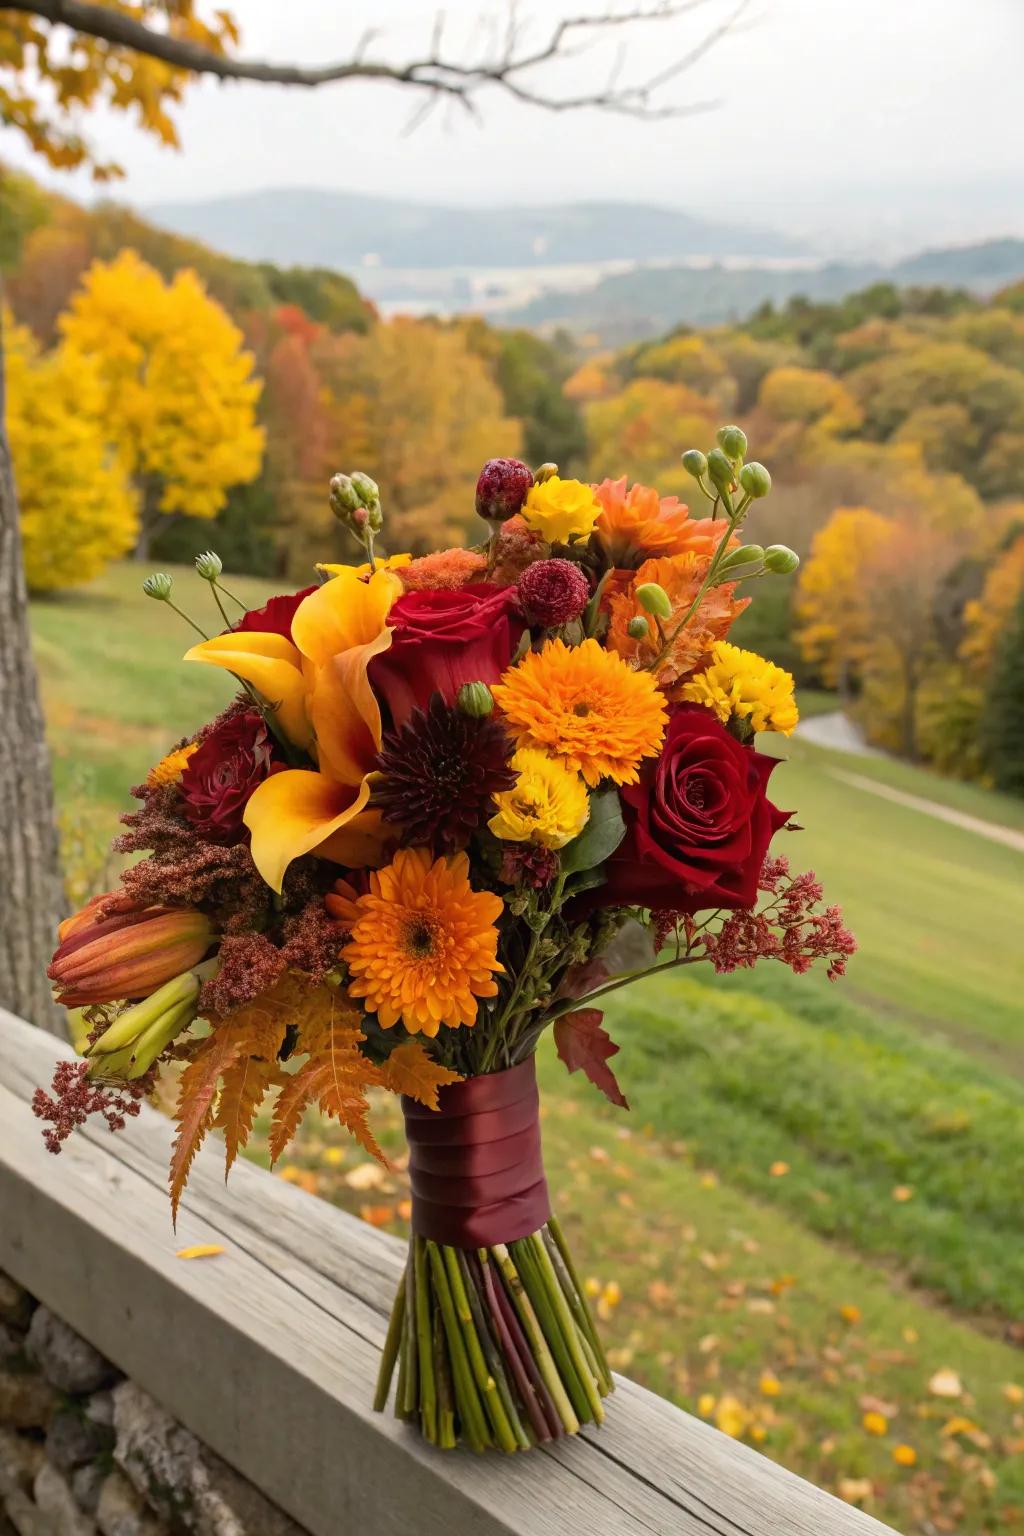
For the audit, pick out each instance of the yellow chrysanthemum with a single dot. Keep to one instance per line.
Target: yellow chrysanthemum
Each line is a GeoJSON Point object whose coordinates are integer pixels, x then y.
{"type": "Point", "coordinates": [549, 804]}
{"type": "Point", "coordinates": [746, 685]}
{"type": "Point", "coordinates": [560, 510]}
{"type": "Point", "coordinates": [423, 944]}
{"type": "Point", "coordinates": [585, 706]}
{"type": "Point", "coordinates": [170, 768]}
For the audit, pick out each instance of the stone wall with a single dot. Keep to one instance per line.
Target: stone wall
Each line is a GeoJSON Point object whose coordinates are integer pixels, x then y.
{"type": "Point", "coordinates": [85, 1452]}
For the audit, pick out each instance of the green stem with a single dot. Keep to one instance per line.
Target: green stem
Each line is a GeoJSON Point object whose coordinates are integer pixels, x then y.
{"type": "Point", "coordinates": [571, 1004]}
{"type": "Point", "coordinates": [408, 1390]}
{"type": "Point", "coordinates": [428, 1389]}
{"type": "Point", "coordinates": [227, 593]}
{"type": "Point", "coordinates": [567, 1324]}
{"type": "Point", "coordinates": [183, 615]}
{"type": "Point", "coordinates": [491, 1352]}
{"type": "Point", "coordinates": [391, 1342]}
{"type": "Point", "coordinates": [535, 1334]}
{"type": "Point", "coordinates": [471, 1411]}
{"type": "Point", "coordinates": [445, 1392]}
{"type": "Point", "coordinates": [526, 1263]}
{"type": "Point", "coordinates": [486, 1384]}
{"type": "Point", "coordinates": [553, 1230]}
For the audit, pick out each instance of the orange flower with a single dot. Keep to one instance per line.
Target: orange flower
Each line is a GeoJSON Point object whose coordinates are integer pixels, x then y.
{"type": "Point", "coordinates": [586, 707]}
{"type": "Point", "coordinates": [317, 685]}
{"type": "Point", "coordinates": [445, 569]}
{"type": "Point", "coordinates": [170, 768]}
{"type": "Point", "coordinates": [423, 945]}
{"type": "Point", "coordinates": [637, 524]}
{"type": "Point", "coordinates": [681, 576]}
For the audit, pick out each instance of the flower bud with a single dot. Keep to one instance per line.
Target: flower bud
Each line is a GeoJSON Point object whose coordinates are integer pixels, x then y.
{"type": "Point", "coordinates": [746, 554]}
{"type": "Point", "coordinates": [654, 599]}
{"type": "Point", "coordinates": [126, 954]}
{"type": "Point", "coordinates": [209, 565]}
{"type": "Point", "coordinates": [638, 628]}
{"type": "Point", "coordinates": [553, 592]}
{"type": "Point", "coordinates": [721, 469]}
{"type": "Point", "coordinates": [158, 586]}
{"type": "Point", "coordinates": [503, 486]}
{"type": "Point", "coordinates": [366, 489]}
{"type": "Point", "coordinates": [695, 463]}
{"type": "Point", "coordinates": [755, 480]}
{"type": "Point", "coordinates": [733, 443]}
{"type": "Point", "coordinates": [475, 700]}
{"type": "Point", "coordinates": [132, 1043]}
{"type": "Point", "coordinates": [546, 472]}
{"type": "Point", "coordinates": [343, 497]}
{"type": "Point", "coordinates": [781, 560]}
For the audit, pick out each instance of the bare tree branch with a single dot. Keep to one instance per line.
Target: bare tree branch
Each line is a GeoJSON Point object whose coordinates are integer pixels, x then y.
{"type": "Point", "coordinates": [434, 73]}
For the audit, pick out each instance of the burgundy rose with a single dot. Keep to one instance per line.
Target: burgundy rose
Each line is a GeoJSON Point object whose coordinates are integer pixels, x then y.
{"type": "Point", "coordinates": [442, 640]}
{"type": "Point", "coordinates": [698, 823]}
{"type": "Point", "coordinates": [221, 775]}
{"type": "Point", "coordinates": [275, 617]}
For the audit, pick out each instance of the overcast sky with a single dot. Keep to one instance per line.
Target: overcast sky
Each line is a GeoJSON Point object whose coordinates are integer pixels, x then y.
{"type": "Point", "coordinates": [867, 116]}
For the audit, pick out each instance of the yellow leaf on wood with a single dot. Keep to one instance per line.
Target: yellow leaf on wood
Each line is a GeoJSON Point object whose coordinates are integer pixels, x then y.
{"type": "Point", "coordinates": [200, 1251]}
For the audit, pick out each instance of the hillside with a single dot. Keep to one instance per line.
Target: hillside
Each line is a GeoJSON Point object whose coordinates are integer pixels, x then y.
{"type": "Point", "coordinates": [341, 229]}
{"type": "Point", "coordinates": [629, 306]}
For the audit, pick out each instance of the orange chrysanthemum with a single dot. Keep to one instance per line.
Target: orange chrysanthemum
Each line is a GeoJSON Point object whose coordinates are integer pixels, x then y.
{"type": "Point", "coordinates": [637, 523]}
{"type": "Point", "coordinates": [681, 576]}
{"type": "Point", "coordinates": [423, 945]}
{"type": "Point", "coordinates": [170, 768]}
{"type": "Point", "coordinates": [586, 707]}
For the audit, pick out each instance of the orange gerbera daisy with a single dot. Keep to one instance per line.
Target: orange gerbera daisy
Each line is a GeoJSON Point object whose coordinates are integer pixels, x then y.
{"type": "Point", "coordinates": [586, 707]}
{"type": "Point", "coordinates": [423, 944]}
{"type": "Point", "coordinates": [681, 576]}
{"type": "Point", "coordinates": [638, 523]}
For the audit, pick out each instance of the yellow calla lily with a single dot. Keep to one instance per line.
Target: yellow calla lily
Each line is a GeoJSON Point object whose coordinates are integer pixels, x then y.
{"type": "Point", "coordinates": [389, 563]}
{"type": "Point", "coordinates": [318, 686]}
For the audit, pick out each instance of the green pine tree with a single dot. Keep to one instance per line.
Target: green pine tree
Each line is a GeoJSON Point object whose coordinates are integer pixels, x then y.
{"type": "Point", "coordinates": [1003, 721]}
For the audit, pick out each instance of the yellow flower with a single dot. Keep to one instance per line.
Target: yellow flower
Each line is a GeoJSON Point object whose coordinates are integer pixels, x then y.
{"type": "Point", "coordinates": [549, 804]}
{"type": "Point", "coordinates": [560, 510]}
{"type": "Point", "coordinates": [423, 944]}
{"type": "Point", "coordinates": [383, 563]}
{"type": "Point", "coordinates": [587, 707]}
{"type": "Point", "coordinates": [904, 1455]}
{"type": "Point", "coordinates": [743, 684]}
{"type": "Point", "coordinates": [170, 768]}
{"type": "Point", "coordinates": [875, 1423]}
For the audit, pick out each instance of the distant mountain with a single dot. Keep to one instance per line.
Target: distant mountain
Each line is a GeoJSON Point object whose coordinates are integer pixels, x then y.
{"type": "Point", "coordinates": [646, 301]}
{"type": "Point", "coordinates": [340, 229]}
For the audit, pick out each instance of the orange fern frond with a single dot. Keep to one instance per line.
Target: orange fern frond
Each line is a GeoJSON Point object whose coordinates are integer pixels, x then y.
{"type": "Point", "coordinates": [410, 1070]}
{"type": "Point", "coordinates": [197, 1092]}
{"type": "Point", "coordinates": [335, 1075]}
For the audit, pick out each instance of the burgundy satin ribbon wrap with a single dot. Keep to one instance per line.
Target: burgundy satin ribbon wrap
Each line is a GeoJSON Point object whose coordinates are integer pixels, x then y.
{"type": "Point", "coordinates": [475, 1162]}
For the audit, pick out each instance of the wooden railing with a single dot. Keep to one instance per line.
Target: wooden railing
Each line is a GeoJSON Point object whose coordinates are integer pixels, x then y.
{"type": "Point", "coordinates": [269, 1352]}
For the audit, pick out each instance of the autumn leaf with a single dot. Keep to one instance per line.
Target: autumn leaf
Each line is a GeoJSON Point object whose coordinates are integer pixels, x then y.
{"type": "Point", "coordinates": [411, 1071]}
{"type": "Point", "coordinates": [197, 1092]}
{"type": "Point", "coordinates": [945, 1383]}
{"type": "Point", "coordinates": [582, 1043]}
{"type": "Point", "coordinates": [259, 1028]}
{"type": "Point", "coordinates": [200, 1251]}
{"type": "Point", "coordinates": [335, 1075]}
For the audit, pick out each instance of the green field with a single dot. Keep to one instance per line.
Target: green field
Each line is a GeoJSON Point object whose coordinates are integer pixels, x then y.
{"type": "Point", "coordinates": [813, 1207]}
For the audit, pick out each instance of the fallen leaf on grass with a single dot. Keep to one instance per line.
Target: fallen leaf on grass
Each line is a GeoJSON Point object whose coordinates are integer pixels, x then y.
{"type": "Point", "coordinates": [902, 1193]}
{"type": "Point", "coordinates": [732, 1418]}
{"type": "Point", "coordinates": [875, 1423]}
{"type": "Point", "coordinates": [855, 1490]}
{"type": "Point", "coordinates": [904, 1455]}
{"type": "Point", "coordinates": [850, 1313]}
{"type": "Point", "coordinates": [377, 1215]}
{"type": "Point", "coordinates": [366, 1176]}
{"type": "Point", "coordinates": [769, 1385]}
{"type": "Point", "coordinates": [200, 1251]}
{"type": "Point", "coordinates": [1013, 1393]}
{"type": "Point", "coordinates": [945, 1383]}
{"type": "Point", "coordinates": [779, 1170]}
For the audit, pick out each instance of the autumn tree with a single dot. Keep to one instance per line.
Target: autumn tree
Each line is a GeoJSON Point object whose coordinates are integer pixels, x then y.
{"type": "Point", "coordinates": [78, 510]}
{"type": "Point", "coordinates": [832, 611]}
{"type": "Point", "coordinates": [643, 426]}
{"type": "Point", "coordinates": [58, 57]}
{"type": "Point", "coordinates": [179, 392]}
{"type": "Point", "coordinates": [1003, 721]}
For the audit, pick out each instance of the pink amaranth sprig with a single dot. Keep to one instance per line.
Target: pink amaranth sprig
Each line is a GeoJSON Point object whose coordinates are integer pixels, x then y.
{"type": "Point", "coordinates": [75, 1096]}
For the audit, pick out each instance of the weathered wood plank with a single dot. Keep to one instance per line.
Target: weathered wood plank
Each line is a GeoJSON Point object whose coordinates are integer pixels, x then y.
{"type": "Point", "coordinates": [268, 1353]}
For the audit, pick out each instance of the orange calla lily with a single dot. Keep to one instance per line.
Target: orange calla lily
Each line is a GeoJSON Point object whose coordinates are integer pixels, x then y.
{"type": "Point", "coordinates": [318, 687]}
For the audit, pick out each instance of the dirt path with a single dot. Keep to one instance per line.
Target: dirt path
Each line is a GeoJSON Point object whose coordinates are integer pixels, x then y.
{"type": "Point", "coordinates": [989, 829]}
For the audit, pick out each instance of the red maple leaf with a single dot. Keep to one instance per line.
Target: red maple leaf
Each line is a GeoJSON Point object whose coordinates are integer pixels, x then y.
{"type": "Point", "coordinates": [582, 1043]}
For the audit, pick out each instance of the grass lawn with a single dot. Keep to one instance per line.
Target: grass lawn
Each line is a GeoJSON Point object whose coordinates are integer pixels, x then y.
{"type": "Point", "coordinates": [814, 1205]}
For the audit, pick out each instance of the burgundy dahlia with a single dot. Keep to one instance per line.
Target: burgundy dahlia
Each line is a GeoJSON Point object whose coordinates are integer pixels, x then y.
{"type": "Point", "coordinates": [223, 772]}
{"type": "Point", "coordinates": [503, 486]}
{"type": "Point", "coordinates": [553, 592]}
{"type": "Point", "coordinates": [441, 771]}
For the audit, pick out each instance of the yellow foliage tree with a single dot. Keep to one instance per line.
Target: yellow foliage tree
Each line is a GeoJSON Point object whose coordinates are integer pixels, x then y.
{"type": "Point", "coordinates": [179, 392]}
{"type": "Point", "coordinates": [646, 426]}
{"type": "Point", "coordinates": [414, 404]}
{"type": "Point", "coordinates": [987, 617]}
{"type": "Point", "coordinates": [810, 397]}
{"type": "Point", "coordinates": [832, 609]}
{"type": "Point", "coordinates": [78, 509]}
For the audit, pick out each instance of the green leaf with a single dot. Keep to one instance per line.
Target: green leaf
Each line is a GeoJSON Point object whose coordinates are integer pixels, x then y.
{"type": "Point", "coordinates": [600, 837]}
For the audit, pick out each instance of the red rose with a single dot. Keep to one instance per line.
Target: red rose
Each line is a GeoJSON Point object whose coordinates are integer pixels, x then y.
{"type": "Point", "coordinates": [442, 640]}
{"type": "Point", "coordinates": [275, 617]}
{"type": "Point", "coordinates": [698, 823]}
{"type": "Point", "coordinates": [222, 774]}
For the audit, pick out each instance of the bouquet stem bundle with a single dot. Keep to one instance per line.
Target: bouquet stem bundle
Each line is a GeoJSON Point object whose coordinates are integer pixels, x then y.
{"type": "Point", "coordinates": [494, 1346]}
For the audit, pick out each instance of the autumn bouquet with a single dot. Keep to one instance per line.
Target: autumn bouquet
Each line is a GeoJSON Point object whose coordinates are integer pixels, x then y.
{"type": "Point", "coordinates": [406, 849]}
